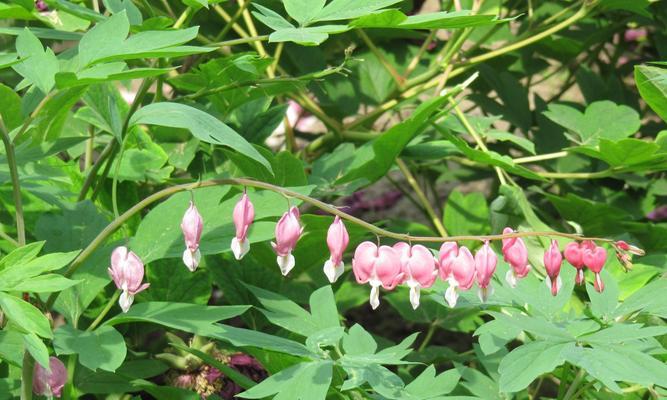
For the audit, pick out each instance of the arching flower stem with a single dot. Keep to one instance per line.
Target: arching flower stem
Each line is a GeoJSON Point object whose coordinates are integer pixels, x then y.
{"type": "Point", "coordinates": [118, 222]}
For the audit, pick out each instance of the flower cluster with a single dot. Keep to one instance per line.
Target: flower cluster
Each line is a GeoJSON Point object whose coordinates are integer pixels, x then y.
{"type": "Point", "coordinates": [414, 266]}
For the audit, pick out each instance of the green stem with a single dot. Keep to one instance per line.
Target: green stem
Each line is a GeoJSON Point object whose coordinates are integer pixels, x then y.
{"type": "Point", "coordinates": [378, 54]}
{"type": "Point", "coordinates": [104, 312]}
{"type": "Point", "coordinates": [16, 186]}
{"type": "Point", "coordinates": [575, 383]}
{"type": "Point", "coordinates": [466, 124]}
{"type": "Point", "coordinates": [26, 376]}
{"type": "Point", "coordinates": [242, 40]}
{"type": "Point", "coordinates": [90, 178]}
{"type": "Point", "coordinates": [427, 338]}
{"type": "Point", "coordinates": [435, 220]}
{"type": "Point", "coordinates": [540, 157]}
{"type": "Point", "coordinates": [578, 175]}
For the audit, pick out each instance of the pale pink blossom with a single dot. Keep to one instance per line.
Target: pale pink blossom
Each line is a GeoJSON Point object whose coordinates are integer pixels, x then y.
{"type": "Point", "coordinates": [127, 272]}
{"type": "Point", "coordinates": [192, 226]}
{"type": "Point", "coordinates": [515, 253]}
{"type": "Point", "coordinates": [337, 241]}
{"type": "Point", "coordinates": [418, 267]}
{"type": "Point", "coordinates": [378, 266]}
{"type": "Point", "coordinates": [49, 383]}
{"type": "Point", "coordinates": [244, 214]}
{"type": "Point", "coordinates": [288, 232]}
{"type": "Point", "coordinates": [485, 265]}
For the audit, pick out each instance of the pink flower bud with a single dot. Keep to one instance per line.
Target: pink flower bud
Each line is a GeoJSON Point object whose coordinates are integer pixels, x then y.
{"type": "Point", "coordinates": [485, 265]}
{"type": "Point", "coordinates": [378, 267]}
{"type": "Point", "coordinates": [418, 267]}
{"type": "Point", "coordinates": [244, 214]}
{"type": "Point", "coordinates": [448, 252]}
{"type": "Point", "coordinates": [337, 241]}
{"type": "Point", "coordinates": [192, 225]}
{"type": "Point", "coordinates": [552, 262]}
{"type": "Point", "coordinates": [288, 231]}
{"type": "Point", "coordinates": [515, 254]}
{"type": "Point", "coordinates": [594, 258]}
{"type": "Point", "coordinates": [574, 254]}
{"type": "Point", "coordinates": [49, 383]}
{"type": "Point", "coordinates": [127, 272]}
{"type": "Point", "coordinates": [462, 274]}
{"type": "Point", "coordinates": [629, 248]}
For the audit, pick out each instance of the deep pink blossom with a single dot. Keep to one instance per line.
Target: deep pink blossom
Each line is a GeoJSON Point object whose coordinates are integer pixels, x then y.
{"type": "Point", "coordinates": [244, 214]}
{"type": "Point", "coordinates": [594, 258]}
{"type": "Point", "coordinates": [127, 272]}
{"type": "Point", "coordinates": [288, 232]}
{"type": "Point", "coordinates": [574, 254]}
{"type": "Point", "coordinates": [418, 267]}
{"type": "Point", "coordinates": [337, 241]}
{"type": "Point", "coordinates": [378, 266]}
{"type": "Point", "coordinates": [49, 383]}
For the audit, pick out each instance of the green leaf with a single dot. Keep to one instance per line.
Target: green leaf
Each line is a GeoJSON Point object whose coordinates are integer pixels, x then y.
{"type": "Point", "coordinates": [527, 362]}
{"type": "Point", "coordinates": [39, 66]}
{"type": "Point", "coordinates": [488, 157]}
{"type": "Point", "coordinates": [621, 333]}
{"type": "Point", "coordinates": [603, 304]}
{"type": "Point", "coordinates": [437, 20]}
{"type": "Point", "coordinates": [43, 284]}
{"type": "Point", "coordinates": [115, 71]}
{"type": "Point", "coordinates": [25, 315]}
{"type": "Point", "coordinates": [21, 255]}
{"type": "Point", "coordinates": [182, 316]}
{"type": "Point", "coordinates": [304, 381]}
{"type": "Point", "coordinates": [289, 315]}
{"type": "Point", "coordinates": [37, 349]}
{"type": "Point", "coordinates": [42, 33]}
{"type": "Point", "coordinates": [466, 214]}
{"type": "Point", "coordinates": [428, 384]}
{"type": "Point", "coordinates": [602, 119]}
{"type": "Point", "coordinates": [102, 348]}
{"type": "Point", "coordinates": [611, 364]}
{"type": "Point", "coordinates": [338, 10]}
{"type": "Point", "coordinates": [16, 273]}
{"type": "Point", "coordinates": [375, 158]}
{"type": "Point", "coordinates": [117, 6]}
{"type": "Point", "coordinates": [652, 298]}
{"type": "Point", "coordinates": [510, 137]}
{"type": "Point", "coordinates": [171, 281]}
{"type": "Point", "coordinates": [11, 346]}
{"type": "Point", "coordinates": [271, 18]}
{"type": "Point", "coordinates": [202, 125]}
{"type": "Point", "coordinates": [308, 36]}
{"type": "Point", "coordinates": [248, 338]}
{"type": "Point", "coordinates": [103, 39]}
{"type": "Point", "coordinates": [303, 10]}
{"type": "Point", "coordinates": [652, 85]}
{"type": "Point", "coordinates": [11, 108]}
{"type": "Point", "coordinates": [627, 155]}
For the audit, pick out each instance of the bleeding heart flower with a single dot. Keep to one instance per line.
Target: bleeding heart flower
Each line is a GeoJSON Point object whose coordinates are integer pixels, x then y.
{"type": "Point", "coordinates": [574, 254]}
{"type": "Point", "coordinates": [49, 383]}
{"type": "Point", "coordinates": [192, 225]}
{"type": "Point", "coordinates": [552, 263]}
{"type": "Point", "coordinates": [459, 265]}
{"type": "Point", "coordinates": [127, 272]}
{"type": "Point", "coordinates": [337, 241]}
{"type": "Point", "coordinates": [448, 252]}
{"type": "Point", "coordinates": [418, 267]}
{"type": "Point", "coordinates": [485, 265]}
{"type": "Point", "coordinates": [594, 258]}
{"type": "Point", "coordinates": [288, 231]}
{"type": "Point", "coordinates": [244, 214]}
{"type": "Point", "coordinates": [515, 254]}
{"type": "Point", "coordinates": [378, 267]}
